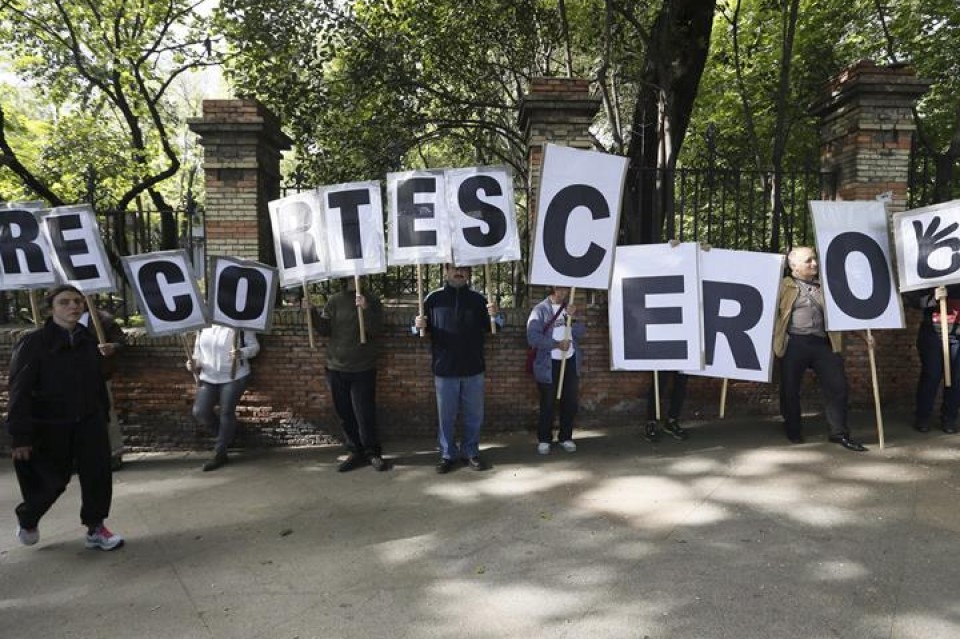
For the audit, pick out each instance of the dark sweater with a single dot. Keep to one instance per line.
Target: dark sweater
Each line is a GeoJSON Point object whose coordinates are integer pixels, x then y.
{"type": "Point", "coordinates": [458, 320]}
{"type": "Point", "coordinates": [53, 380]}
{"type": "Point", "coordinates": [340, 324]}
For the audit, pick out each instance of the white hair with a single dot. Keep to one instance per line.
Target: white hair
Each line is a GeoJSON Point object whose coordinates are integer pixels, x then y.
{"type": "Point", "coordinates": [794, 253]}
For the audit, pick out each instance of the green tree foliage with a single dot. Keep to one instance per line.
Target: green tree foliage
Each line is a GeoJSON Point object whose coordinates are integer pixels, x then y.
{"type": "Point", "coordinates": [926, 35]}
{"type": "Point", "coordinates": [368, 87]}
{"type": "Point", "coordinates": [741, 99]}
{"type": "Point", "coordinates": [105, 70]}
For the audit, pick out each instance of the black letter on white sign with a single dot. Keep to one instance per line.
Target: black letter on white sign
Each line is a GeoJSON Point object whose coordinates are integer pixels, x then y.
{"type": "Point", "coordinates": [636, 317]}
{"type": "Point", "coordinates": [555, 230]}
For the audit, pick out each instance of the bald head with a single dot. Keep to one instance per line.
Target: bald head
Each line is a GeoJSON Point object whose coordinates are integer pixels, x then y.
{"type": "Point", "coordinates": [802, 261]}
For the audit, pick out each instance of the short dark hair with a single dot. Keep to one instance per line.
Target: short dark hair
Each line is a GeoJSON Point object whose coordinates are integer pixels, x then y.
{"type": "Point", "coordinates": [56, 290]}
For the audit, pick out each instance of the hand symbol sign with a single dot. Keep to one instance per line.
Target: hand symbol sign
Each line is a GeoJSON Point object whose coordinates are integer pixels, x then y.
{"type": "Point", "coordinates": [929, 240]}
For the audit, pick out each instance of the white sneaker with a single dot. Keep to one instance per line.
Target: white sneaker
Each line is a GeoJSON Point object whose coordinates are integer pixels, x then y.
{"type": "Point", "coordinates": [569, 446]}
{"type": "Point", "coordinates": [28, 536]}
{"type": "Point", "coordinates": [103, 539]}
{"type": "Point", "coordinates": [543, 448]}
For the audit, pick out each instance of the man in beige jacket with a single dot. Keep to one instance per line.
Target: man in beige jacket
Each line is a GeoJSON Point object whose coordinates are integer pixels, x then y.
{"type": "Point", "coordinates": [801, 341]}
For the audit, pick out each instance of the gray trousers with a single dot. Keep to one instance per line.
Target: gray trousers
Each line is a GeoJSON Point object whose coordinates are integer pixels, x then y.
{"type": "Point", "coordinates": [227, 396]}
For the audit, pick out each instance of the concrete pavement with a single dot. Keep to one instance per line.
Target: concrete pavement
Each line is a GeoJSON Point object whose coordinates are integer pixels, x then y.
{"type": "Point", "coordinates": [732, 534]}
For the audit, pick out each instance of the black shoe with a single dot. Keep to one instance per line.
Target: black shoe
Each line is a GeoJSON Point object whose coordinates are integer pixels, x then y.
{"type": "Point", "coordinates": [651, 432]}
{"type": "Point", "coordinates": [950, 429]}
{"type": "Point", "coordinates": [353, 460]}
{"type": "Point", "coordinates": [475, 463]}
{"type": "Point", "coordinates": [444, 466]}
{"type": "Point", "coordinates": [922, 427]}
{"type": "Point", "coordinates": [795, 439]}
{"type": "Point", "coordinates": [379, 463]}
{"type": "Point", "coordinates": [672, 428]}
{"type": "Point", "coordinates": [849, 444]}
{"type": "Point", "coordinates": [219, 460]}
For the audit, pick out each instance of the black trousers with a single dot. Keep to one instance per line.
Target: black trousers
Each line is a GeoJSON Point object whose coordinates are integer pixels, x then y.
{"type": "Point", "coordinates": [808, 351]}
{"type": "Point", "coordinates": [930, 349]}
{"type": "Point", "coordinates": [678, 394]}
{"type": "Point", "coordinates": [355, 400]}
{"type": "Point", "coordinates": [569, 402]}
{"type": "Point", "coordinates": [57, 450]}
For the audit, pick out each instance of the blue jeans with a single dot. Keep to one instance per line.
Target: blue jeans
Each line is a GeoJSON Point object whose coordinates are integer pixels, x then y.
{"type": "Point", "coordinates": [455, 395]}
{"type": "Point", "coordinates": [227, 396]}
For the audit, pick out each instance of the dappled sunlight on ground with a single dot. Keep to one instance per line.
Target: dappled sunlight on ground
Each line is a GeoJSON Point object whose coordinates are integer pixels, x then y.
{"type": "Point", "coordinates": [732, 534]}
{"type": "Point", "coordinates": [405, 550]}
{"type": "Point", "coordinates": [838, 571]}
{"type": "Point", "coordinates": [640, 500]}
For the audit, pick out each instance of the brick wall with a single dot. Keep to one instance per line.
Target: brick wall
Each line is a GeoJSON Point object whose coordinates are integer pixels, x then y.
{"type": "Point", "coordinates": [287, 402]}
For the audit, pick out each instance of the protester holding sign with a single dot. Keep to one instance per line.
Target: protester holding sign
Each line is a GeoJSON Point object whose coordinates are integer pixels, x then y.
{"type": "Point", "coordinates": [547, 333]}
{"type": "Point", "coordinates": [801, 341]}
{"type": "Point", "coordinates": [678, 394]}
{"type": "Point", "coordinates": [458, 320]}
{"type": "Point", "coordinates": [221, 360]}
{"type": "Point", "coordinates": [351, 370]}
{"type": "Point", "coordinates": [931, 357]}
{"type": "Point", "coordinates": [56, 419]}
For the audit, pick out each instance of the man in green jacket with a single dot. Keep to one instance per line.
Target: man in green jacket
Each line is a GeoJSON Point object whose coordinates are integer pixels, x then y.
{"type": "Point", "coordinates": [351, 371]}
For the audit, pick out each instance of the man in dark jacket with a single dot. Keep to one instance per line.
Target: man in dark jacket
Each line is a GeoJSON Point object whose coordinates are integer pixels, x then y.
{"type": "Point", "coordinates": [458, 320]}
{"type": "Point", "coordinates": [351, 371]}
{"type": "Point", "coordinates": [57, 421]}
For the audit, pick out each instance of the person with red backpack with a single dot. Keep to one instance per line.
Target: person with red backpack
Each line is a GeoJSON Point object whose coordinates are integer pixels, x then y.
{"type": "Point", "coordinates": [547, 333]}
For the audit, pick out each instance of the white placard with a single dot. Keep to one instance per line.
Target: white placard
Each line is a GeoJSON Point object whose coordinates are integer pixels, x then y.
{"type": "Point", "coordinates": [739, 291]}
{"type": "Point", "coordinates": [167, 293]}
{"type": "Point", "coordinates": [654, 310]}
{"type": "Point", "coordinates": [353, 217]}
{"type": "Point", "coordinates": [79, 258]}
{"type": "Point", "coordinates": [299, 238]}
{"type": "Point", "coordinates": [242, 294]}
{"type": "Point", "coordinates": [24, 250]}
{"type": "Point", "coordinates": [578, 215]}
{"type": "Point", "coordinates": [855, 267]}
{"type": "Point", "coordinates": [481, 205]}
{"type": "Point", "coordinates": [928, 246]}
{"type": "Point", "coordinates": [419, 226]}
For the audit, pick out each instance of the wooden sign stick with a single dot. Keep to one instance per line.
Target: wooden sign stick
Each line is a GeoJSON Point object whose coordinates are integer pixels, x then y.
{"type": "Point", "coordinates": [189, 352]}
{"type": "Point", "coordinates": [723, 398]}
{"type": "Point", "coordinates": [876, 387]}
{"type": "Point", "coordinates": [363, 329]}
{"type": "Point", "coordinates": [236, 353]}
{"type": "Point", "coordinates": [309, 309]}
{"type": "Point", "coordinates": [945, 341]}
{"type": "Point", "coordinates": [423, 331]}
{"type": "Point", "coordinates": [489, 282]}
{"type": "Point", "coordinates": [656, 394]}
{"type": "Point", "coordinates": [34, 307]}
{"type": "Point", "coordinates": [95, 319]}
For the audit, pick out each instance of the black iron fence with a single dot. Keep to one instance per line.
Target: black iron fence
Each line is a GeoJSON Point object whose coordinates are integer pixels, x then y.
{"type": "Point", "coordinates": [736, 209]}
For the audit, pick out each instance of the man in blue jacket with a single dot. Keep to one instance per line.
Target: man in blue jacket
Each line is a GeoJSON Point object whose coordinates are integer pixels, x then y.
{"type": "Point", "coordinates": [458, 319]}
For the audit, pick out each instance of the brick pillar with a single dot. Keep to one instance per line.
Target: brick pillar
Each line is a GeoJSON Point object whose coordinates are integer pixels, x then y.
{"type": "Point", "coordinates": [866, 125]}
{"type": "Point", "coordinates": [242, 142]}
{"type": "Point", "coordinates": [556, 111]}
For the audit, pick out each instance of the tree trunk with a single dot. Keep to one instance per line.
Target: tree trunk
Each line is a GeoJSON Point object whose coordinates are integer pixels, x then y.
{"type": "Point", "coordinates": [675, 59]}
